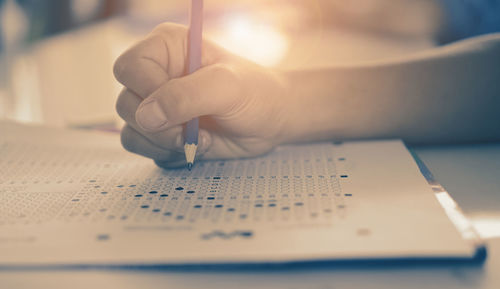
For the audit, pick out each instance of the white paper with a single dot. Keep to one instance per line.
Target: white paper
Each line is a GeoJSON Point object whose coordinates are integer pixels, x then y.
{"type": "Point", "coordinates": [70, 197]}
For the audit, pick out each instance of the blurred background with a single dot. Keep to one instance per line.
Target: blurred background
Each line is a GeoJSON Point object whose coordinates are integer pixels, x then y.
{"type": "Point", "coordinates": [56, 56]}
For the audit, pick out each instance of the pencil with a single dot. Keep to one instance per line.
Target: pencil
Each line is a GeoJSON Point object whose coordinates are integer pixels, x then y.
{"type": "Point", "coordinates": [194, 63]}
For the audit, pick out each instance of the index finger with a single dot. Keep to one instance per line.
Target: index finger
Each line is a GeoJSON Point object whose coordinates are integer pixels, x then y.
{"type": "Point", "coordinates": [158, 58]}
{"type": "Point", "coordinates": [142, 68]}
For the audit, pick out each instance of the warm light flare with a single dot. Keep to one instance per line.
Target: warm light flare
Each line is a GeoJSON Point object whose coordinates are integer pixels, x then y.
{"type": "Point", "coordinates": [262, 43]}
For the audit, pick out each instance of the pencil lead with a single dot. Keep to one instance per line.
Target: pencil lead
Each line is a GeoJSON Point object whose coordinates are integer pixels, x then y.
{"type": "Point", "coordinates": [190, 166]}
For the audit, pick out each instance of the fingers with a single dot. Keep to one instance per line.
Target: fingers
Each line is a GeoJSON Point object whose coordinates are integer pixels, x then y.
{"type": "Point", "coordinates": [134, 142]}
{"type": "Point", "coordinates": [170, 153]}
{"type": "Point", "coordinates": [142, 68]}
{"type": "Point", "coordinates": [127, 105]}
{"type": "Point", "coordinates": [158, 58]}
{"type": "Point", "coordinates": [212, 90]}
{"type": "Point", "coordinates": [156, 100]}
{"type": "Point", "coordinates": [171, 164]}
{"type": "Point", "coordinates": [171, 139]}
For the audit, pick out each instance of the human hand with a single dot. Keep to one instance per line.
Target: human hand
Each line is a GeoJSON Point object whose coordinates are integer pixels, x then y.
{"type": "Point", "coordinates": [240, 104]}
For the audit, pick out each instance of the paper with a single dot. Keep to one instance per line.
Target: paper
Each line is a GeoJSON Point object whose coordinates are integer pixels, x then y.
{"type": "Point", "coordinates": [71, 197]}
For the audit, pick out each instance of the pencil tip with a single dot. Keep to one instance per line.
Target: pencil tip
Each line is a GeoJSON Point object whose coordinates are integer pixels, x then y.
{"type": "Point", "coordinates": [190, 166]}
{"type": "Point", "coordinates": [190, 152]}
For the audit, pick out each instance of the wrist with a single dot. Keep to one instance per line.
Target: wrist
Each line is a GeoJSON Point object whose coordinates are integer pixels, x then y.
{"type": "Point", "coordinates": [297, 108]}
{"type": "Point", "coordinates": [285, 111]}
{"type": "Point", "coordinates": [312, 109]}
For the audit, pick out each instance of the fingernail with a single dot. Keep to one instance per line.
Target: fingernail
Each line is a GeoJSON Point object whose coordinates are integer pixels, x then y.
{"type": "Point", "coordinates": [150, 116]}
{"type": "Point", "coordinates": [205, 141]}
{"type": "Point", "coordinates": [179, 142]}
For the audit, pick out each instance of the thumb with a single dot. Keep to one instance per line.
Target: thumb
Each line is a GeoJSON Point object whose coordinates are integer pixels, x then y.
{"type": "Point", "coordinates": [211, 90]}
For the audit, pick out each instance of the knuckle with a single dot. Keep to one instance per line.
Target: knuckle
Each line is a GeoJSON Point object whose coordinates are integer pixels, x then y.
{"type": "Point", "coordinates": [228, 74]}
{"type": "Point", "coordinates": [124, 66]}
{"type": "Point", "coordinates": [165, 32]}
{"type": "Point", "coordinates": [161, 28]}
{"type": "Point", "coordinates": [169, 29]}
{"type": "Point", "coordinates": [226, 71]}
{"type": "Point", "coordinates": [119, 66]}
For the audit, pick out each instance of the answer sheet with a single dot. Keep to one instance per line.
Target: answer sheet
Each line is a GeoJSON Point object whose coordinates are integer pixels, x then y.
{"type": "Point", "coordinates": [76, 197]}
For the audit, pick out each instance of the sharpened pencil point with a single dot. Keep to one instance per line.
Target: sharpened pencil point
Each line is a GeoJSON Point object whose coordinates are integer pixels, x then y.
{"type": "Point", "coordinates": [190, 151]}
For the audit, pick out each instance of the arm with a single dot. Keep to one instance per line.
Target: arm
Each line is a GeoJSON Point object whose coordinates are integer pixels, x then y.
{"type": "Point", "coordinates": [449, 94]}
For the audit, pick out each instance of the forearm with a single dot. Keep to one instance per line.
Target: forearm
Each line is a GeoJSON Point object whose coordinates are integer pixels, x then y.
{"type": "Point", "coordinates": [450, 94]}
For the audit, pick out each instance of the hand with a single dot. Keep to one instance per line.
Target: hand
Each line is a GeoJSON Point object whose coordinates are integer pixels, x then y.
{"type": "Point", "coordinates": [240, 104]}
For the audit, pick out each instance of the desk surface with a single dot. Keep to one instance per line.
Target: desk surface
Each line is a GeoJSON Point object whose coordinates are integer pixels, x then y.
{"type": "Point", "coordinates": [470, 173]}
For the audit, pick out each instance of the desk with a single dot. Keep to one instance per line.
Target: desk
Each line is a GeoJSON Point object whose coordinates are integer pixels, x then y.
{"type": "Point", "coordinates": [470, 173]}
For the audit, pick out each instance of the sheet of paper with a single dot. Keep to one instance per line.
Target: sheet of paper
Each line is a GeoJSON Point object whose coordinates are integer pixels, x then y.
{"type": "Point", "coordinates": [70, 197]}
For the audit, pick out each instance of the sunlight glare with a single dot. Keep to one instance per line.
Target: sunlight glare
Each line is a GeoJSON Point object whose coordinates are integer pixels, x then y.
{"type": "Point", "coordinates": [258, 42]}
